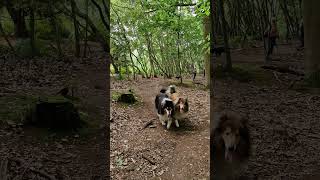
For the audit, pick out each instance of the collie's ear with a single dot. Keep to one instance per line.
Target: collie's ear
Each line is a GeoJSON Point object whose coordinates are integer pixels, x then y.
{"type": "Point", "coordinates": [223, 117]}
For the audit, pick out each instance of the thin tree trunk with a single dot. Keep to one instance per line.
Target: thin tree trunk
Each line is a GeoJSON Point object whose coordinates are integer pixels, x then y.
{"type": "Point", "coordinates": [6, 37]}
{"type": "Point", "coordinates": [207, 27]}
{"type": "Point", "coordinates": [18, 18]}
{"type": "Point", "coordinates": [149, 44]}
{"type": "Point", "coordinates": [225, 36]}
{"type": "Point", "coordinates": [76, 30]}
{"type": "Point", "coordinates": [86, 30]}
{"type": "Point", "coordinates": [32, 30]}
{"type": "Point", "coordinates": [54, 25]}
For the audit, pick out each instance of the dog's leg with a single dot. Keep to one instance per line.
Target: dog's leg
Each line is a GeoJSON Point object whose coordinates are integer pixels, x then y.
{"type": "Point", "coordinates": [169, 123]}
{"type": "Point", "coordinates": [161, 120]}
{"type": "Point", "coordinates": [177, 123]}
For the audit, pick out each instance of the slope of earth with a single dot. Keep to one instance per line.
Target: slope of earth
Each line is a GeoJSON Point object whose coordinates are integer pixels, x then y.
{"type": "Point", "coordinates": [154, 152]}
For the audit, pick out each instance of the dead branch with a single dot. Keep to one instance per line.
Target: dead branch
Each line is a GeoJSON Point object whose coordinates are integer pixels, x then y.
{"type": "Point", "coordinates": [147, 124]}
{"type": "Point", "coordinates": [282, 70]}
{"type": "Point", "coordinates": [151, 161]}
{"type": "Point", "coordinates": [3, 169]}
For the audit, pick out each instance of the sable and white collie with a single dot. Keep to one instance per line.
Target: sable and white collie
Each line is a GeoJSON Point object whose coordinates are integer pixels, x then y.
{"type": "Point", "coordinates": [165, 108]}
{"type": "Point", "coordinates": [181, 105]}
{"type": "Point", "coordinates": [229, 145]}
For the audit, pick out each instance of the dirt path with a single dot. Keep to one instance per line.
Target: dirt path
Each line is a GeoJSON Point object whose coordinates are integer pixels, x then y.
{"type": "Point", "coordinates": [178, 153]}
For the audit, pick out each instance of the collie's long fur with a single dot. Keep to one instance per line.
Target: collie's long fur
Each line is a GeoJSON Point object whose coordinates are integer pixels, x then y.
{"type": "Point", "coordinates": [181, 105]}
{"type": "Point", "coordinates": [165, 108]}
{"type": "Point", "coordinates": [229, 145]}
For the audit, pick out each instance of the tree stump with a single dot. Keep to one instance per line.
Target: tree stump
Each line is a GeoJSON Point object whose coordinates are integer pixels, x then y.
{"type": "Point", "coordinates": [55, 115]}
{"type": "Point", "coordinates": [127, 98]}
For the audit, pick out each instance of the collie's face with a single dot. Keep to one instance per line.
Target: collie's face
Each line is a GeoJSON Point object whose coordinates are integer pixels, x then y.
{"type": "Point", "coordinates": [231, 138]}
{"type": "Point", "coordinates": [168, 111]}
{"type": "Point", "coordinates": [182, 105]}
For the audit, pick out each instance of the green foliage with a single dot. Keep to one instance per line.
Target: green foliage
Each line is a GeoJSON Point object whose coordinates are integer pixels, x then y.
{"type": "Point", "coordinates": [150, 30]}
{"type": "Point", "coordinates": [23, 48]}
{"type": "Point", "coordinates": [44, 30]}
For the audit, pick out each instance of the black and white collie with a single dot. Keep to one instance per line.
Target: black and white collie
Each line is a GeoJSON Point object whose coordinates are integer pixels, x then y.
{"type": "Point", "coordinates": [165, 108]}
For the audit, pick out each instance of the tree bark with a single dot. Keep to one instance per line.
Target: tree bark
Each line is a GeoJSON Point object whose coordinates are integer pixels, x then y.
{"type": "Point", "coordinates": [207, 27]}
{"type": "Point", "coordinates": [86, 31]}
{"type": "Point", "coordinates": [76, 30]}
{"type": "Point", "coordinates": [225, 31]}
{"type": "Point", "coordinates": [18, 18]}
{"type": "Point", "coordinates": [312, 36]}
{"type": "Point", "coordinates": [32, 30]}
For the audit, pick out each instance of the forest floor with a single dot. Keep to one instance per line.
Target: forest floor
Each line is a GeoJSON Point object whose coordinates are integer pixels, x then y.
{"type": "Point", "coordinates": [283, 119]}
{"type": "Point", "coordinates": [155, 152]}
{"type": "Point", "coordinates": [34, 153]}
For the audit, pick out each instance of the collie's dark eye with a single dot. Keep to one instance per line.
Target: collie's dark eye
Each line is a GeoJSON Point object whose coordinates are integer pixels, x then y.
{"type": "Point", "coordinates": [227, 133]}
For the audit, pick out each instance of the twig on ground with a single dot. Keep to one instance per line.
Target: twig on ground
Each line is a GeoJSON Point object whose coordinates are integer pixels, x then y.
{"type": "Point", "coordinates": [276, 76]}
{"type": "Point", "coordinates": [151, 161]}
{"type": "Point", "coordinates": [3, 169]}
{"type": "Point", "coordinates": [147, 124]}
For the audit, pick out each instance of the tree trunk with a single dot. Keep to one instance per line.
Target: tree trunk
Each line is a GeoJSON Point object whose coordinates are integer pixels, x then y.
{"type": "Point", "coordinates": [312, 36]}
{"type": "Point", "coordinates": [86, 31]}
{"type": "Point", "coordinates": [225, 31]}
{"type": "Point", "coordinates": [76, 30]}
{"type": "Point", "coordinates": [32, 30]}
{"type": "Point", "coordinates": [6, 37]}
{"type": "Point", "coordinates": [98, 35]}
{"type": "Point", "coordinates": [151, 60]}
{"type": "Point", "coordinates": [207, 27]}
{"type": "Point", "coordinates": [18, 18]}
{"type": "Point", "coordinates": [54, 25]}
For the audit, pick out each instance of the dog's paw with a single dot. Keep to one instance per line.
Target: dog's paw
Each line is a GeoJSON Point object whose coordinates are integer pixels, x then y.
{"type": "Point", "coordinates": [169, 124]}
{"type": "Point", "coordinates": [177, 123]}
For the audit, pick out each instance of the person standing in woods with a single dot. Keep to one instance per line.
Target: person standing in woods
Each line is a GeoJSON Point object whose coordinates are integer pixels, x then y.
{"type": "Point", "coordinates": [272, 34]}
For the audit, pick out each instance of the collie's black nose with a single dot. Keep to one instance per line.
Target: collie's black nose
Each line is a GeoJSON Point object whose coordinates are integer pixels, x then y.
{"type": "Point", "coordinates": [231, 148]}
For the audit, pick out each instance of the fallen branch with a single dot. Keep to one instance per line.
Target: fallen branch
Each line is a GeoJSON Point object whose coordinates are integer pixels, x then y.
{"type": "Point", "coordinates": [151, 161]}
{"type": "Point", "coordinates": [283, 70]}
{"type": "Point", "coordinates": [147, 124]}
{"type": "Point", "coordinates": [3, 169]}
{"type": "Point", "coordinates": [276, 76]}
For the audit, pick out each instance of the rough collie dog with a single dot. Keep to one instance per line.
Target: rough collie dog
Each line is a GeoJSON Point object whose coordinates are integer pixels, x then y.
{"type": "Point", "coordinates": [229, 146]}
{"type": "Point", "coordinates": [181, 106]}
{"type": "Point", "coordinates": [165, 108]}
